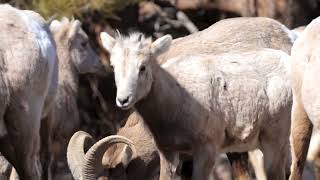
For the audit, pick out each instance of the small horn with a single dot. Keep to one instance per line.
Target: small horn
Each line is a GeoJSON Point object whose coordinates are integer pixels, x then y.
{"type": "Point", "coordinates": [140, 37]}
{"type": "Point", "coordinates": [93, 160]}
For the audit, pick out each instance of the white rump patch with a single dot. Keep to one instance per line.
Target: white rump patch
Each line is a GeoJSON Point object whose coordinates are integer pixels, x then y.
{"type": "Point", "coordinates": [42, 38]}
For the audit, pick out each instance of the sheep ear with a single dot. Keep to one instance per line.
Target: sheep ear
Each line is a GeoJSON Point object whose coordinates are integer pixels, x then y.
{"type": "Point", "coordinates": [126, 156]}
{"type": "Point", "coordinates": [55, 25]}
{"type": "Point", "coordinates": [64, 20]}
{"type": "Point", "coordinates": [161, 45]}
{"type": "Point", "coordinates": [107, 41]}
{"type": "Point", "coordinates": [74, 29]}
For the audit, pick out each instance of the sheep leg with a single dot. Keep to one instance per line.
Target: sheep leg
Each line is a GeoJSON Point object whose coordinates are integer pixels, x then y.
{"type": "Point", "coordinates": [256, 160]}
{"type": "Point", "coordinates": [3, 129]}
{"type": "Point", "coordinates": [203, 163]}
{"type": "Point", "coordinates": [317, 172]}
{"type": "Point", "coordinates": [275, 157]}
{"type": "Point", "coordinates": [169, 162]}
{"type": "Point", "coordinates": [23, 123]}
{"type": "Point", "coordinates": [239, 165]}
{"type": "Point", "coordinates": [46, 146]}
{"type": "Point", "coordinates": [3, 104]}
{"type": "Point", "coordinates": [301, 130]}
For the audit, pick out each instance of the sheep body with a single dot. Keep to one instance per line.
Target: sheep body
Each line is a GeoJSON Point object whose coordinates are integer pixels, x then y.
{"type": "Point", "coordinates": [28, 85]}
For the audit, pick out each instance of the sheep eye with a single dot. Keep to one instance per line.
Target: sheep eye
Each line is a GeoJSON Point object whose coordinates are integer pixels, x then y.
{"type": "Point", "coordinates": [84, 44]}
{"type": "Point", "coordinates": [142, 68]}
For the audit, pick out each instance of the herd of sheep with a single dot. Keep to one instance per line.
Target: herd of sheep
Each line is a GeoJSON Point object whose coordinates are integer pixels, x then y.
{"type": "Point", "coordinates": [242, 87]}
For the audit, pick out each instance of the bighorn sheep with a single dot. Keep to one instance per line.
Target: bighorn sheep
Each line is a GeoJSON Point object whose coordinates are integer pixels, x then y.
{"type": "Point", "coordinates": [87, 165]}
{"type": "Point", "coordinates": [145, 164]}
{"type": "Point", "coordinates": [305, 109]}
{"type": "Point", "coordinates": [28, 85]}
{"type": "Point", "coordinates": [201, 112]}
{"type": "Point", "coordinates": [75, 56]}
{"type": "Point", "coordinates": [254, 32]}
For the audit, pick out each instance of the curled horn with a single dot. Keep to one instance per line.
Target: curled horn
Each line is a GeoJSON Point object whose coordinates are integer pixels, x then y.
{"type": "Point", "coordinates": [76, 152]}
{"type": "Point", "coordinates": [88, 166]}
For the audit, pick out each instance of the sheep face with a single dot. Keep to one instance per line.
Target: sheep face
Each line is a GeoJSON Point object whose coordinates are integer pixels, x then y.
{"type": "Point", "coordinates": [83, 56]}
{"type": "Point", "coordinates": [77, 43]}
{"type": "Point", "coordinates": [131, 58]}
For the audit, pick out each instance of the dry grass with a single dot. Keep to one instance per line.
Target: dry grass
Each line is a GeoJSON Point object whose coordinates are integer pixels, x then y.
{"type": "Point", "coordinates": [69, 8]}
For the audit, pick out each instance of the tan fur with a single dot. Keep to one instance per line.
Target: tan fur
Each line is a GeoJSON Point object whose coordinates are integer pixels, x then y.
{"type": "Point", "coordinates": [305, 111]}
{"type": "Point", "coordinates": [146, 165]}
{"type": "Point", "coordinates": [235, 34]}
{"type": "Point", "coordinates": [28, 78]}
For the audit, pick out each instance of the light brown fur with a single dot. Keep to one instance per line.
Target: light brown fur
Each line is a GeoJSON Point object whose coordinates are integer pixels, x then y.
{"type": "Point", "coordinates": [146, 165]}
{"type": "Point", "coordinates": [305, 112]}
{"type": "Point", "coordinates": [28, 78]}
{"type": "Point", "coordinates": [232, 35]}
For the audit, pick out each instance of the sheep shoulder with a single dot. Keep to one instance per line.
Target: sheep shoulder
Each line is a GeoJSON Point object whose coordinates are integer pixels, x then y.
{"type": "Point", "coordinates": [29, 53]}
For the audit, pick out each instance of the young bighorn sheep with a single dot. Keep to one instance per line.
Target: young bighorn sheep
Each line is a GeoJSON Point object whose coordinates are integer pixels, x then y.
{"type": "Point", "coordinates": [234, 34]}
{"type": "Point", "coordinates": [305, 109]}
{"type": "Point", "coordinates": [194, 104]}
{"type": "Point", "coordinates": [28, 85]}
{"type": "Point", "coordinates": [75, 57]}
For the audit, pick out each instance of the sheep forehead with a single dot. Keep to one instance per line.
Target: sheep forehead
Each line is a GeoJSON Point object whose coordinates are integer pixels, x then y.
{"type": "Point", "coordinates": [135, 46]}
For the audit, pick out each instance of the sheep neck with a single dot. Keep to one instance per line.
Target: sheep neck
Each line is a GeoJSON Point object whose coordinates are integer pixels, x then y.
{"type": "Point", "coordinates": [162, 111]}
{"type": "Point", "coordinates": [68, 76]}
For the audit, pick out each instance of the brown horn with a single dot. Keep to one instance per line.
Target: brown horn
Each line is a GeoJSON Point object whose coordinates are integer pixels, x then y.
{"type": "Point", "coordinates": [76, 152]}
{"type": "Point", "coordinates": [93, 160]}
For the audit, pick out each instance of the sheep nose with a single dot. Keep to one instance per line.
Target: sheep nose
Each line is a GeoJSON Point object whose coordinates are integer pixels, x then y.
{"type": "Point", "coordinates": [123, 101]}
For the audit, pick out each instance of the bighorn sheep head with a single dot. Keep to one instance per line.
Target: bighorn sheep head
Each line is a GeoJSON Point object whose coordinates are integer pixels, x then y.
{"type": "Point", "coordinates": [132, 58]}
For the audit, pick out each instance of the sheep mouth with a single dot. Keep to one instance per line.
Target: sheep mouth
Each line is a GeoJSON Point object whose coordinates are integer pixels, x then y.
{"type": "Point", "coordinates": [125, 107]}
